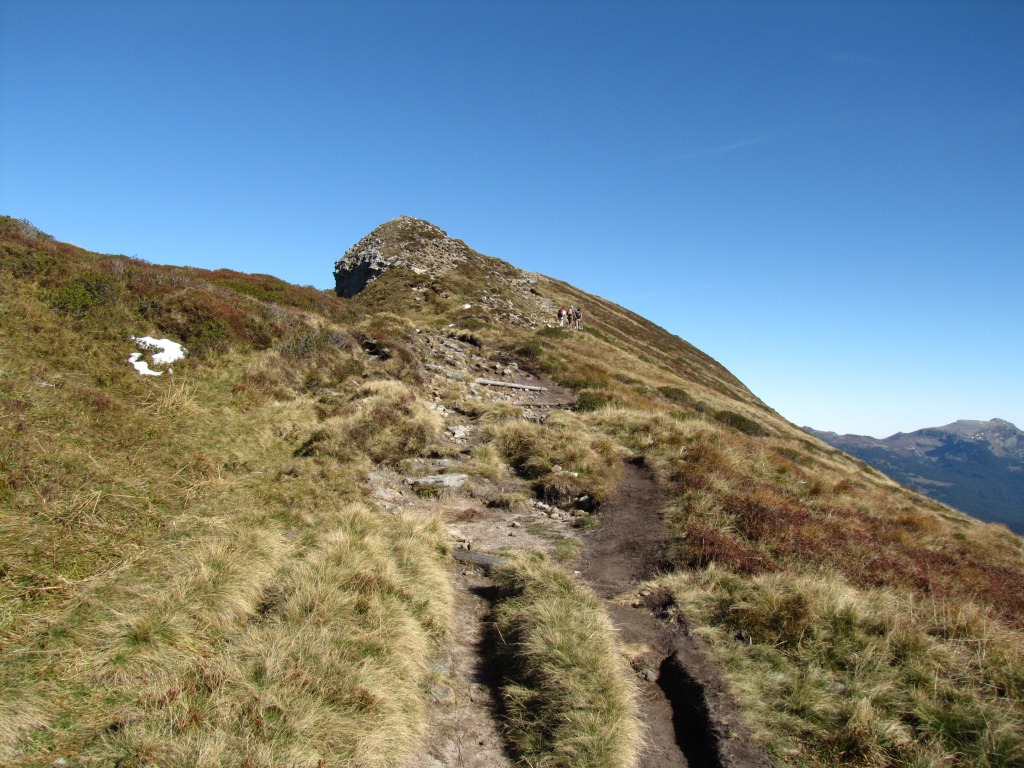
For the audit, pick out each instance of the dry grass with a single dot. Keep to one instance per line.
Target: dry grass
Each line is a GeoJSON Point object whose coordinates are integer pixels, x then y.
{"type": "Point", "coordinates": [265, 625]}
{"type": "Point", "coordinates": [385, 420]}
{"type": "Point", "coordinates": [486, 462]}
{"type": "Point", "coordinates": [563, 456]}
{"type": "Point", "coordinates": [834, 674]}
{"type": "Point", "coordinates": [569, 696]}
{"type": "Point", "coordinates": [330, 668]}
{"type": "Point", "coordinates": [179, 583]}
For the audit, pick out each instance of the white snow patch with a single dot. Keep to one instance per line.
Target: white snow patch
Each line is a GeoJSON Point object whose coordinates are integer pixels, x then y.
{"type": "Point", "coordinates": [141, 365]}
{"type": "Point", "coordinates": [170, 351]}
{"type": "Point", "coordinates": [162, 352]}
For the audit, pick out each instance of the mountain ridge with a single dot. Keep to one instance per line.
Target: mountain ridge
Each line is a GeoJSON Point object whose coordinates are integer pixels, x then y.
{"type": "Point", "coordinates": [249, 561]}
{"type": "Point", "coordinates": [975, 466]}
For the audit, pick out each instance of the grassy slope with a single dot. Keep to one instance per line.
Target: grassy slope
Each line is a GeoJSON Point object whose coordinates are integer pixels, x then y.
{"type": "Point", "coordinates": [180, 584]}
{"type": "Point", "coordinates": [130, 498]}
{"type": "Point", "coordinates": [864, 624]}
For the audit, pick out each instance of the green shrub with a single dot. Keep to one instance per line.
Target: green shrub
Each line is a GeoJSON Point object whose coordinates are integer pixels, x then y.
{"type": "Point", "coordinates": [84, 293]}
{"type": "Point", "coordinates": [625, 378]}
{"type": "Point", "coordinates": [677, 395]}
{"type": "Point", "coordinates": [590, 400]}
{"type": "Point", "coordinates": [742, 423]}
{"type": "Point", "coordinates": [471, 323]}
{"type": "Point", "coordinates": [32, 263]}
{"type": "Point", "coordinates": [305, 341]}
{"type": "Point", "coordinates": [205, 336]}
{"type": "Point", "coordinates": [531, 349]}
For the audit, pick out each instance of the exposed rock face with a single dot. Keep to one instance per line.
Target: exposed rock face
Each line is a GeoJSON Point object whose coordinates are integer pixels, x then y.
{"type": "Point", "coordinates": [489, 289]}
{"type": "Point", "coordinates": [403, 242]}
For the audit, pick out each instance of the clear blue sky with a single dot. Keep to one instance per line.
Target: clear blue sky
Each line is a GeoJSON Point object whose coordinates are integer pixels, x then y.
{"type": "Point", "coordinates": [827, 197]}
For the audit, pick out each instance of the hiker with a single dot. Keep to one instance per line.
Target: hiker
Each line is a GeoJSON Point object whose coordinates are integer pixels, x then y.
{"type": "Point", "coordinates": [561, 316]}
{"type": "Point", "coordinates": [572, 314]}
{"type": "Point", "coordinates": [579, 318]}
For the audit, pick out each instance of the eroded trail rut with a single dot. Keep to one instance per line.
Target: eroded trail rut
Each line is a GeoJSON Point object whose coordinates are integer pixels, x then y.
{"type": "Point", "coordinates": [689, 718]}
{"type": "Point", "coordinates": [625, 549]}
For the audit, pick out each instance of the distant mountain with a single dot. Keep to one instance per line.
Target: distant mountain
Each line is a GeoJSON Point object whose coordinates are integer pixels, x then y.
{"type": "Point", "coordinates": [975, 466]}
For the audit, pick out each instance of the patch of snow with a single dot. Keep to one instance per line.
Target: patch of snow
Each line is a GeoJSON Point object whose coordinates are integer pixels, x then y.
{"type": "Point", "coordinates": [142, 366]}
{"type": "Point", "coordinates": [170, 351]}
{"type": "Point", "coordinates": [162, 352]}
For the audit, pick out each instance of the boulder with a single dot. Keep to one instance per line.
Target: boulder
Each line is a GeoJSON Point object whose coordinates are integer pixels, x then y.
{"type": "Point", "coordinates": [454, 480]}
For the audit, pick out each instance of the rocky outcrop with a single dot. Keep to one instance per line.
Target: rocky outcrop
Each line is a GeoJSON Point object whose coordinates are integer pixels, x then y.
{"type": "Point", "coordinates": [490, 289]}
{"type": "Point", "coordinates": [404, 242]}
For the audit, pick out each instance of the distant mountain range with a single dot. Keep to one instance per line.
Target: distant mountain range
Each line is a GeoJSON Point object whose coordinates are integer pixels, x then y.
{"type": "Point", "coordinates": [975, 466]}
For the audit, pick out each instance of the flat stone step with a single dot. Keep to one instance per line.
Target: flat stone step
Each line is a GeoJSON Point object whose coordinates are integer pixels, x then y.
{"type": "Point", "coordinates": [492, 383]}
{"type": "Point", "coordinates": [479, 559]}
{"type": "Point", "coordinates": [455, 480]}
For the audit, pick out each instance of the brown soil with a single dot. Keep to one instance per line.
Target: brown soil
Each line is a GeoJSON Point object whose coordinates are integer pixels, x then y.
{"type": "Point", "coordinates": [689, 717]}
{"type": "Point", "coordinates": [688, 714]}
{"type": "Point", "coordinates": [464, 729]}
{"type": "Point", "coordinates": [628, 545]}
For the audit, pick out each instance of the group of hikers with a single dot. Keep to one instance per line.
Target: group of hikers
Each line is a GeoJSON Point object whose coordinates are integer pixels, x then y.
{"type": "Point", "coordinates": [574, 316]}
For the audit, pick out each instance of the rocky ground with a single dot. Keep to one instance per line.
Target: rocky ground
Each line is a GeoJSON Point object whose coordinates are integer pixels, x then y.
{"type": "Point", "coordinates": [688, 716]}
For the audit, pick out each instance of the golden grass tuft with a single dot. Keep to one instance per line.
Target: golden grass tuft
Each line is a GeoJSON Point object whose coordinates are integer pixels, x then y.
{"type": "Point", "coordinates": [564, 457]}
{"type": "Point", "coordinates": [385, 420]}
{"type": "Point", "coordinates": [570, 699]}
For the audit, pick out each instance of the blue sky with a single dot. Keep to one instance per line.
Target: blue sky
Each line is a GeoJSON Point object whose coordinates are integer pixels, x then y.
{"type": "Point", "coordinates": [828, 198]}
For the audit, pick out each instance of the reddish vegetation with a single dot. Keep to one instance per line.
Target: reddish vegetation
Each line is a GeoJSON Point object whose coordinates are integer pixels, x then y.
{"type": "Point", "coordinates": [771, 529]}
{"type": "Point", "coordinates": [704, 544]}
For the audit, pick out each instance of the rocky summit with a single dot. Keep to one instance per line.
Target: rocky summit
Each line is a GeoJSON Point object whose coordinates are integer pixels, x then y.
{"type": "Point", "coordinates": [430, 266]}
{"type": "Point", "coordinates": [404, 242]}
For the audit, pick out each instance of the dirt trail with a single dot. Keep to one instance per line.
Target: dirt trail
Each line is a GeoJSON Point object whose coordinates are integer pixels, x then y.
{"type": "Point", "coordinates": [628, 545]}
{"type": "Point", "coordinates": [464, 728]}
{"type": "Point", "coordinates": [625, 549]}
{"type": "Point", "coordinates": [465, 731]}
{"type": "Point", "coordinates": [689, 719]}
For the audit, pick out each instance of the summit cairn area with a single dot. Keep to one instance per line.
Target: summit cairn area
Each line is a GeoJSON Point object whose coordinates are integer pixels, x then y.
{"type": "Point", "coordinates": [404, 242]}
{"type": "Point", "coordinates": [442, 269]}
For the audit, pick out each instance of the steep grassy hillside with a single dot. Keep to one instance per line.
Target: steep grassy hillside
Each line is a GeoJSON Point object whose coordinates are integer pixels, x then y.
{"type": "Point", "coordinates": [195, 568]}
